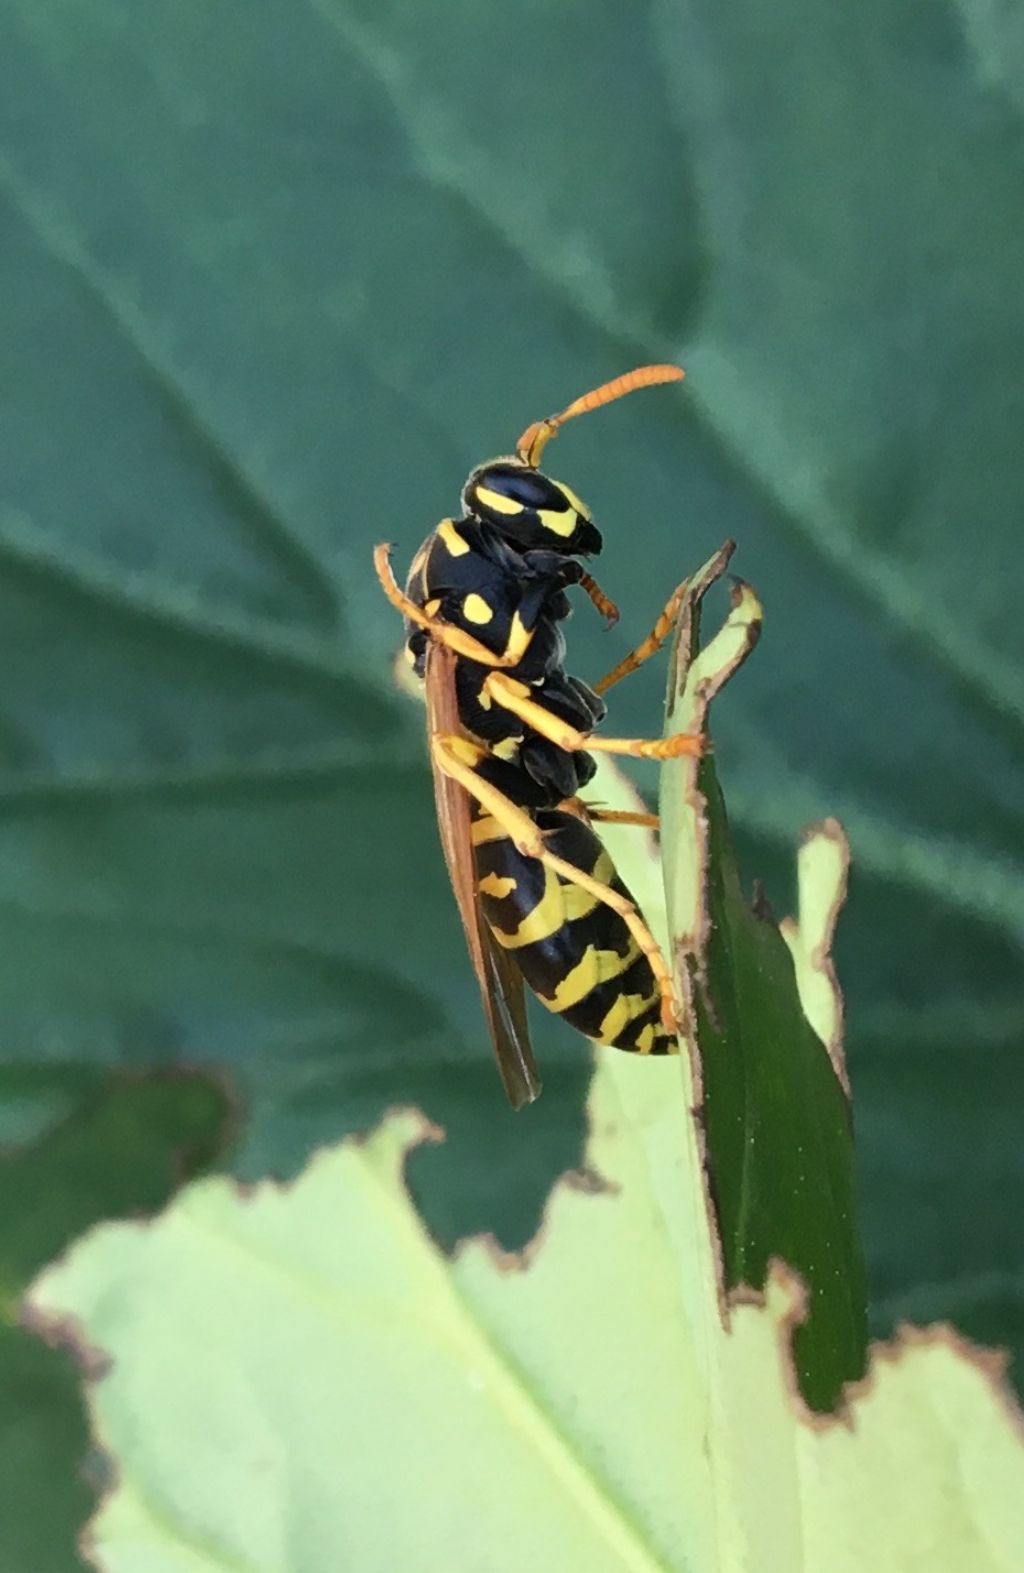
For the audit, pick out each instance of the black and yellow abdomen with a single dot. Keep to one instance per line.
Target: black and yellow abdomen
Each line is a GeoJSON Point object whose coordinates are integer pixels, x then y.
{"type": "Point", "coordinates": [575, 952]}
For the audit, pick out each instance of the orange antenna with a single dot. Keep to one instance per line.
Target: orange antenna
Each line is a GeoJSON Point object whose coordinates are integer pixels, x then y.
{"type": "Point", "coordinates": [536, 437]}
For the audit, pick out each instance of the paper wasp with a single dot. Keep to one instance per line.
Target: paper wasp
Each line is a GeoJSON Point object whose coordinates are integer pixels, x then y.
{"type": "Point", "coordinates": [511, 740]}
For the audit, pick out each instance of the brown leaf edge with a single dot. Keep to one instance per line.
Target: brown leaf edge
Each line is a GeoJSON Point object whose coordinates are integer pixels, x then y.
{"type": "Point", "coordinates": [820, 954]}
{"type": "Point", "coordinates": [991, 1364]}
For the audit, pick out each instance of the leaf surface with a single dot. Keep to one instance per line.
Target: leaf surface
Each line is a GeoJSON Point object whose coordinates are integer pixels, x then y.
{"type": "Point", "coordinates": [365, 1397]}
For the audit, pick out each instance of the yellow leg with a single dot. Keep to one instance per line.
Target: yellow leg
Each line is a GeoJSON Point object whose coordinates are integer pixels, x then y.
{"type": "Point", "coordinates": [452, 755]}
{"type": "Point", "coordinates": [449, 634]}
{"type": "Point", "coordinates": [608, 816]}
{"type": "Point", "coordinates": [622, 816]}
{"type": "Point", "coordinates": [647, 647]}
{"type": "Point", "coordinates": [515, 696]}
{"type": "Point", "coordinates": [604, 603]}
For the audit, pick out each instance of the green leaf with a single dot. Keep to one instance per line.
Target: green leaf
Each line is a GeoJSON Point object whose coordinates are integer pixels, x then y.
{"type": "Point", "coordinates": [121, 1149]}
{"type": "Point", "coordinates": [365, 1398]}
{"type": "Point", "coordinates": [45, 1496]}
{"type": "Point", "coordinates": [771, 1087]}
{"type": "Point", "coordinates": [272, 280]}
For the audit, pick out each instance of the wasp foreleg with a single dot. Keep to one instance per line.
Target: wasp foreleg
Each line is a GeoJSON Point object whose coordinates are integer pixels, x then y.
{"type": "Point", "coordinates": [450, 634]}
{"type": "Point", "coordinates": [649, 646]}
{"type": "Point", "coordinates": [515, 696]}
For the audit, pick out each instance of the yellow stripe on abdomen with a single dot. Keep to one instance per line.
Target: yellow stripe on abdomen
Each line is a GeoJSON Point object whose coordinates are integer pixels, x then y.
{"type": "Point", "coordinates": [648, 1037]}
{"type": "Point", "coordinates": [594, 967]}
{"type": "Point", "coordinates": [561, 903]}
{"type": "Point", "coordinates": [626, 1009]}
{"type": "Point", "coordinates": [485, 829]}
{"type": "Point", "coordinates": [495, 885]}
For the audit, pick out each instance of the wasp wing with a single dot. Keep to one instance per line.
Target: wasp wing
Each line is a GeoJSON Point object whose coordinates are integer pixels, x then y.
{"type": "Point", "coordinates": [501, 982]}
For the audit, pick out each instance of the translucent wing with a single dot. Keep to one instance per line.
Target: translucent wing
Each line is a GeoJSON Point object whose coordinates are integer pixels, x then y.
{"type": "Point", "coordinates": [501, 982]}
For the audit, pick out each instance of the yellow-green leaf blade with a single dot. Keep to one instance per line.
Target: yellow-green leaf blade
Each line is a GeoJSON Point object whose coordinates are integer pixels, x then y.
{"type": "Point", "coordinates": [299, 1379]}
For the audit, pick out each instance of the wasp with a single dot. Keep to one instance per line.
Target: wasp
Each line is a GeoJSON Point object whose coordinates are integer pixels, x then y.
{"type": "Point", "coordinates": [512, 738]}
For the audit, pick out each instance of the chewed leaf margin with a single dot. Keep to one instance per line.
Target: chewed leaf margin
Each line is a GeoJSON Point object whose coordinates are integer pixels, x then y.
{"type": "Point", "coordinates": [775, 1129]}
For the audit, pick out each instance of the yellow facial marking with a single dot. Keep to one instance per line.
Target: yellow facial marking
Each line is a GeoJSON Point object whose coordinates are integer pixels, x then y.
{"type": "Point", "coordinates": [626, 1009]}
{"type": "Point", "coordinates": [574, 501]}
{"type": "Point", "coordinates": [557, 522]}
{"type": "Point", "coordinates": [496, 502]}
{"type": "Point", "coordinates": [596, 966]}
{"type": "Point", "coordinates": [484, 699]}
{"type": "Point", "coordinates": [560, 904]}
{"type": "Point", "coordinates": [457, 545]}
{"type": "Point", "coordinates": [507, 749]}
{"type": "Point", "coordinates": [432, 607]}
{"type": "Point", "coordinates": [475, 608]}
{"type": "Point", "coordinates": [496, 885]}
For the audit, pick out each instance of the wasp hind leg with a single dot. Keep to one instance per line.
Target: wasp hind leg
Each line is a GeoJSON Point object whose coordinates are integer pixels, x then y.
{"type": "Point", "coordinates": [457, 757]}
{"type": "Point", "coordinates": [609, 816]}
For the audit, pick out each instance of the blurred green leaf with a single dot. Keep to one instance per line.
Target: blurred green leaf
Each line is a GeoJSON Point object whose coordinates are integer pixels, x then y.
{"type": "Point", "coordinates": [272, 280]}
{"type": "Point", "coordinates": [123, 1148]}
{"type": "Point", "coordinates": [45, 1493]}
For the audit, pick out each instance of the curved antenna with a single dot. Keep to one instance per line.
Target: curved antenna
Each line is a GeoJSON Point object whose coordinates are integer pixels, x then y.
{"type": "Point", "coordinates": [536, 437]}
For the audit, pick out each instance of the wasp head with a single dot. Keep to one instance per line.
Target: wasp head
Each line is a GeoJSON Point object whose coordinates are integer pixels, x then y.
{"type": "Point", "coordinates": [530, 510]}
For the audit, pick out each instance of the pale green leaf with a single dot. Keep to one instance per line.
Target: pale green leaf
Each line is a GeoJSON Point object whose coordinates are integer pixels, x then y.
{"type": "Point", "coordinates": [301, 1380]}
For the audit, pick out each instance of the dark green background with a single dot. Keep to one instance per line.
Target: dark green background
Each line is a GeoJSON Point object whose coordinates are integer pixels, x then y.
{"type": "Point", "coordinates": [272, 277]}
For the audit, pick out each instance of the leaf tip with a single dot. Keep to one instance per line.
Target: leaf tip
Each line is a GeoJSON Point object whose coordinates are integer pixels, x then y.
{"type": "Point", "coordinates": [823, 868]}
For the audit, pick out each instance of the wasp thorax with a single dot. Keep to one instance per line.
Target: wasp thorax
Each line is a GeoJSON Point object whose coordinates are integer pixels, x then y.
{"type": "Point", "coordinates": [530, 509]}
